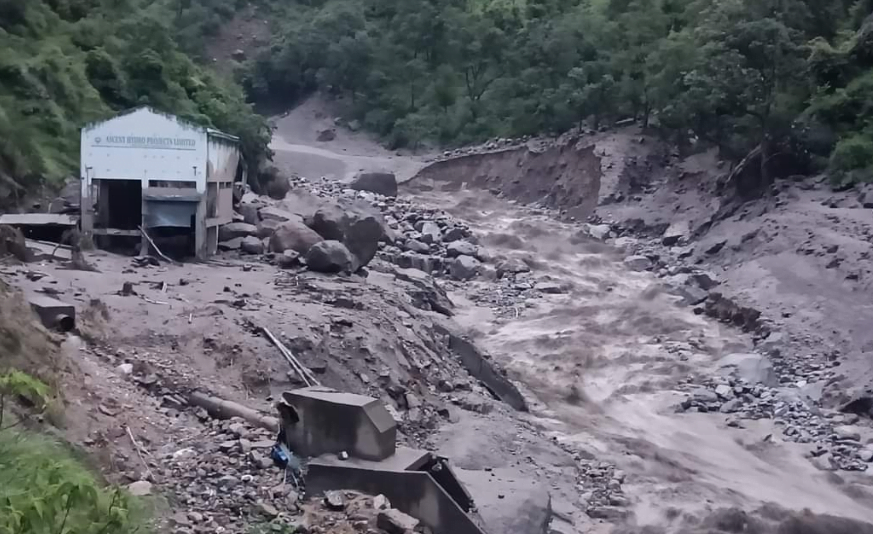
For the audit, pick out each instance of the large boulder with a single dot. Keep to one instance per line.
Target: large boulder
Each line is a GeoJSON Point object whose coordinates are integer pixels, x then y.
{"type": "Point", "coordinates": [358, 226]}
{"type": "Point", "coordinates": [293, 235]}
{"type": "Point", "coordinates": [464, 267]}
{"type": "Point", "coordinates": [271, 181]}
{"type": "Point", "coordinates": [267, 228]}
{"type": "Point", "coordinates": [678, 232]}
{"type": "Point", "coordinates": [329, 257]}
{"type": "Point", "coordinates": [249, 212]}
{"type": "Point", "coordinates": [237, 229]}
{"type": "Point", "coordinates": [382, 183]}
{"type": "Point", "coordinates": [461, 248]}
{"type": "Point", "coordinates": [252, 245]}
{"type": "Point", "coordinates": [753, 368]}
{"type": "Point", "coordinates": [273, 213]}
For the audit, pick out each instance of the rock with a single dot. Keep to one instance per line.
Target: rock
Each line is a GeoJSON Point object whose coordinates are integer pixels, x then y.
{"type": "Point", "coordinates": [825, 462]}
{"type": "Point", "coordinates": [691, 295]}
{"type": "Point", "coordinates": [239, 54]}
{"type": "Point", "coordinates": [454, 234]}
{"type": "Point", "coordinates": [610, 513]}
{"type": "Point", "coordinates": [252, 245]}
{"type": "Point", "coordinates": [326, 135]}
{"type": "Point", "coordinates": [432, 232]}
{"type": "Point", "coordinates": [268, 510]}
{"type": "Point", "coordinates": [598, 231]}
{"type": "Point", "coordinates": [866, 455]}
{"type": "Point", "coordinates": [288, 260]}
{"type": "Point", "coordinates": [266, 229]}
{"type": "Point", "coordinates": [235, 230]}
{"type": "Point", "coordinates": [125, 368]}
{"type": "Point", "coordinates": [461, 248]}
{"type": "Point", "coordinates": [427, 294]}
{"type": "Point", "coordinates": [380, 502]}
{"type": "Point", "coordinates": [731, 406]}
{"type": "Point", "coordinates": [637, 263]}
{"type": "Point", "coordinates": [753, 368]}
{"type": "Point", "coordinates": [704, 395]}
{"type": "Point", "coordinates": [273, 213]}
{"type": "Point", "coordinates": [724, 391]}
{"type": "Point", "coordinates": [847, 432]}
{"type": "Point", "coordinates": [329, 257]}
{"type": "Point", "coordinates": [464, 267]}
{"type": "Point", "coordinates": [704, 280]}
{"type": "Point", "coordinates": [550, 288]}
{"type": "Point", "coordinates": [293, 235]}
{"type": "Point", "coordinates": [333, 500]}
{"type": "Point", "coordinates": [417, 246]}
{"type": "Point", "coordinates": [865, 197]}
{"type": "Point", "coordinates": [381, 183]}
{"type": "Point", "coordinates": [233, 244]}
{"type": "Point", "coordinates": [676, 233]}
{"type": "Point", "coordinates": [715, 248]}
{"type": "Point", "coordinates": [140, 488]}
{"type": "Point", "coordinates": [396, 522]}
{"type": "Point", "coordinates": [359, 227]}
{"type": "Point", "coordinates": [249, 212]}
{"type": "Point", "coordinates": [512, 266]}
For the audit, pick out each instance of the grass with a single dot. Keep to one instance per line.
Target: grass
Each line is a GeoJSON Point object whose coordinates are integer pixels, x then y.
{"type": "Point", "coordinates": [46, 489]}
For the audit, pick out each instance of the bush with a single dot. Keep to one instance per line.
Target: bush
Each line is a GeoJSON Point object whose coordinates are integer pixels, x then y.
{"type": "Point", "coordinates": [853, 153]}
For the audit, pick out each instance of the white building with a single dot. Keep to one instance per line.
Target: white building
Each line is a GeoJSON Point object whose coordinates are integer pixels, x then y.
{"type": "Point", "coordinates": [148, 169]}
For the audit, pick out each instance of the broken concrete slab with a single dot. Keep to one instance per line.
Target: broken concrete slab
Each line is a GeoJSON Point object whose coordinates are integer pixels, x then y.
{"type": "Point", "coordinates": [319, 420]}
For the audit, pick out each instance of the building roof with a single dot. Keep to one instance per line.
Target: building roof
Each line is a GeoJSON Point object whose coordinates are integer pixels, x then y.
{"type": "Point", "coordinates": [210, 131]}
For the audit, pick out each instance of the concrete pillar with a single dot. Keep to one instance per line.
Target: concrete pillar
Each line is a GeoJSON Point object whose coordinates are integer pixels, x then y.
{"type": "Point", "coordinates": [201, 249]}
{"type": "Point", "coordinates": [86, 210]}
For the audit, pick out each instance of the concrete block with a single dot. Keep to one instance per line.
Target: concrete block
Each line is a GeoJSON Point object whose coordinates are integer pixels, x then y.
{"type": "Point", "coordinates": [53, 313]}
{"type": "Point", "coordinates": [318, 420]}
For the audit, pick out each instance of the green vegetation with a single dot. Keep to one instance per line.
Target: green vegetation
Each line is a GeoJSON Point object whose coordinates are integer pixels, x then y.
{"type": "Point", "coordinates": [44, 488]}
{"type": "Point", "coordinates": [67, 62]}
{"type": "Point", "coordinates": [790, 79]}
{"type": "Point", "coordinates": [787, 80]}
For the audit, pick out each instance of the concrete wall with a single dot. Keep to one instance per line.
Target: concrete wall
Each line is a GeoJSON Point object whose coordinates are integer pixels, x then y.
{"type": "Point", "coordinates": [144, 145]}
{"type": "Point", "coordinates": [331, 422]}
{"type": "Point", "coordinates": [222, 160]}
{"type": "Point", "coordinates": [483, 369]}
{"type": "Point", "coordinates": [412, 492]}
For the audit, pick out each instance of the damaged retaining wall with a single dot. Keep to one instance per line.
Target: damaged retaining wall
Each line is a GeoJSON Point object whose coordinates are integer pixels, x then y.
{"type": "Point", "coordinates": [480, 366]}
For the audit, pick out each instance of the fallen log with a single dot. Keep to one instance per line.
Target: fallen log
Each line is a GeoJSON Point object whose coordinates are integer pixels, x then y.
{"type": "Point", "coordinates": [225, 409]}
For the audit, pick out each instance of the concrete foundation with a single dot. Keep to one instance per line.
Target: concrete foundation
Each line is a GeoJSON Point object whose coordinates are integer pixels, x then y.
{"type": "Point", "coordinates": [319, 420]}
{"type": "Point", "coordinates": [411, 491]}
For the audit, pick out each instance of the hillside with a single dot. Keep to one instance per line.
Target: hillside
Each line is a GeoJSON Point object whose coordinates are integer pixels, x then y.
{"type": "Point", "coordinates": [789, 79]}
{"type": "Point", "coordinates": [68, 62]}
